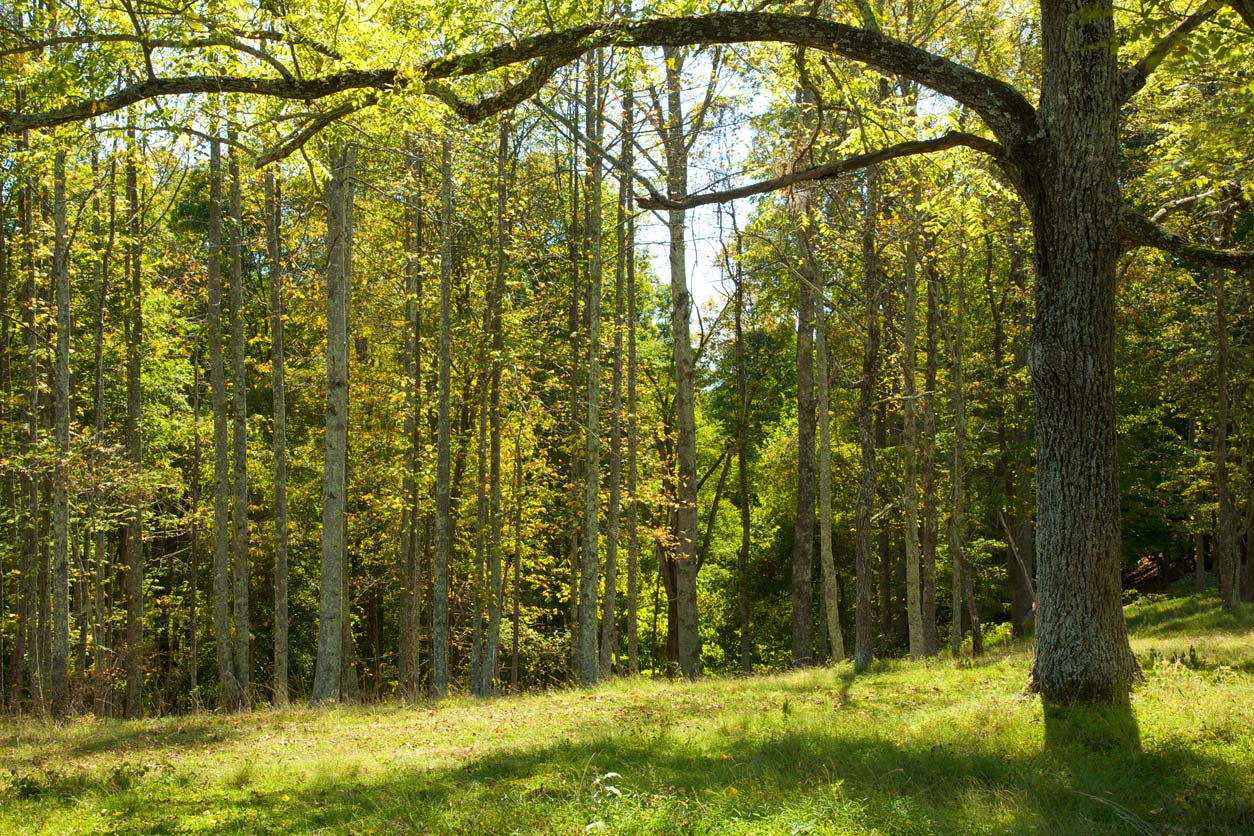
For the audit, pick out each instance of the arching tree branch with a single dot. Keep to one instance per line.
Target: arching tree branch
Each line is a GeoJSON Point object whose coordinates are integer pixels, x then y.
{"type": "Point", "coordinates": [953, 139]}
{"type": "Point", "coordinates": [1006, 112]}
{"type": "Point", "coordinates": [1140, 231]}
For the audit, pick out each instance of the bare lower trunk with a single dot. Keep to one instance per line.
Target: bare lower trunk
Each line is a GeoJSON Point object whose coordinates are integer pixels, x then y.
{"type": "Point", "coordinates": [931, 638]}
{"type": "Point", "coordinates": [221, 465]}
{"type": "Point", "coordinates": [831, 603]}
{"type": "Point", "coordinates": [910, 447]}
{"type": "Point", "coordinates": [274, 225]}
{"type": "Point", "coordinates": [239, 445]}
{"type": "Point", "coordinates": [329, 665]}
{"type": "Point", "coordinates": [1082, 650]}
{"type": "Point", "coordinates": [633, 504]}
{"type": "Point", "coordinates": [803, 522]}
{"type": "Point", "coordinates": [863, 628]}
{"type": "Point", "coordinates": [134, 448]}
{"type": "Point", "coordinates": [61, 496]}
{"type": "Point", "coordinates": [443, 497]}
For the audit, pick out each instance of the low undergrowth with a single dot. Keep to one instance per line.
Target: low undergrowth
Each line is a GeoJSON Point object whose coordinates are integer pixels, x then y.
{"type": "Point", "coordinates": [927, 747]}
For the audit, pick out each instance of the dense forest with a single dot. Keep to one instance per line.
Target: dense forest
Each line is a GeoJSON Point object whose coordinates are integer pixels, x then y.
{"type": "Point", "coordinates": [360, 351]}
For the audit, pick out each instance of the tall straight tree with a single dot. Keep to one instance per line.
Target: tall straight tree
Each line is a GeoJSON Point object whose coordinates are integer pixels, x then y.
{"type": "Point", "coordinates": [633, 425]}
{"type": "Point", "coordinates": [231, 695]}
{"type": "Point", "coordinates": [409, 639]}
{"type": "Point", "coordinates": [60, 479]}
{"type": "Point", "coordinates": [239, 438]}
{"type": "Point", "coordinates": [443, 498]}
{"type": "Point", "coordinates": [274, 253]}
{"type": "Point", "coordinates": [328, 669]}
{"type": "Point", "coordinates": [803, 522]}
{"type": "Point", "coordinates": [871, 291]}
{"type": "Point", "coordinates": [588, 576]}
{"type": "Point", "coordinates": [609, 605]}
{"type": "Point", "coordinates": [910, 445]}
{"type": "Point", "coordinates": [134, 447]}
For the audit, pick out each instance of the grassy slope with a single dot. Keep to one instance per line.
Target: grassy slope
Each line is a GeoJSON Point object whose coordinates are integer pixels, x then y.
{"type": "Point", "coordinates": [910, 748]}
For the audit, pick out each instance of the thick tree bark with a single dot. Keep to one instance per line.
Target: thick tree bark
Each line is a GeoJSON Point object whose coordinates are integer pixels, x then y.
{"type": "Point", "coordinates": [1082, 650]}
{"type": "Point", "coordinates": [443, 497]}
{"type": "Point", "coordinates": [231, 697]}
{"type": "Point", "coordinates": [274, 226]}
{"type": "Point", "coordinates": [330, 662]}
{"type": "Point", "coordinates": [240, 572]}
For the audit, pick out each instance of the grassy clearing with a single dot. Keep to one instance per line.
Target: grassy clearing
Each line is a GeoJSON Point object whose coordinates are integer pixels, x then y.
{"type": "Point", "coordinates": [933, 747]}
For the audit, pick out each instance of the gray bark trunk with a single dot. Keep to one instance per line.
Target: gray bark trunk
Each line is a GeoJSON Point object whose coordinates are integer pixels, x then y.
{"type": "Point", "coordinates": [61, 495]}
{"type": "Point", "coordinates": [443, 498]}
{"type": "Point", "coordinates": [134, 448]}
{"type": "Point", "coordinates": [910, 451]}
{"type": "Point", "coordinates": [803, 523]}
{"type": "Point", "coordinates": [329, 665]}
{"type": "Point", "coordinates": [221, 463]}
{"type": "Point", "coordinates": [239, 442]}
{"type": "Point", "coordinates": [633, 504]}
{"type": "Point", "coordinates": [931, 638]}
{"type": "Point", "coordinates": [274, 226]}
{"type": "Point", "coordinates": [863, 628]}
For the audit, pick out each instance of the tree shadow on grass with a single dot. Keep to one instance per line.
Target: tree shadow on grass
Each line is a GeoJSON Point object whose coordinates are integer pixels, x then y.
{"type": "Point", "coordinates": [770, 779]}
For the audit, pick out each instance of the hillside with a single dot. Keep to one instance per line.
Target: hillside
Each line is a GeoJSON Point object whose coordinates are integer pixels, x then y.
{"type": "Point", "coordinates": [933, 747]}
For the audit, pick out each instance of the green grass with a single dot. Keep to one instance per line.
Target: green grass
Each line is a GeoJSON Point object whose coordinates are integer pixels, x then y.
{"type": "Point", "coordinates": [932, 747]}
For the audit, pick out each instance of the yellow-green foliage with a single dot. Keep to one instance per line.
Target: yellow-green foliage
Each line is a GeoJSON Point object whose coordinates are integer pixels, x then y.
{"type": "Point", "coordinates": [931, 747]}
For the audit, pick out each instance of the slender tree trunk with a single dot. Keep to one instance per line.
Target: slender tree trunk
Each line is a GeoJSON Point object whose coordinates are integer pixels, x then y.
{"type": "Point", "coordinates": [1227, 559]}
{"type": "Point", "coordinates": [518, 545]}
{"type": "Point", "coordinates": [688, 640]}
{"type": "Point", "coordinates": [588, 581]}
{"type": "Point", "coordinates": [831, 603]}
{"type": "Point", "coordinates": [742, 468]}
{"type": "Point", "coordinates": [134, 448]}
{"type": "Point", "coordinates": [193, 583]}
{"type": "Point", "coordinates": [633, 503]}
{"type": "Point", "coordinates": [274, 226]}
{"type": "Point", "coordinates": [330, 662]}
{"type": "Point", "coordinates": [239, 441]}
{"type": "Point", "coordinates": [910, 454]}
{"type": "Point", "coordinates": [931, 638]}
{"type": "Point", "coordinates": [61, 494]}
{"type": "Point", "coordinates": [410, 616]}
{"type": "Point", "coordinates": [443, 498]}
{"type": "Point", "coordinates": [102, 651]}
{"type": "Point", "coordinates": [231, 697]}
{"type": "Point", "coordinates": [803, 523]}
{"type": "Point", "coordinates": [957, 470]}
{"type": "Point", "coordinates": [496, 577]}
{"type": "Point", "coordinates": [609, 608]}
{"type": "Point", "coordinates": [863, 626]}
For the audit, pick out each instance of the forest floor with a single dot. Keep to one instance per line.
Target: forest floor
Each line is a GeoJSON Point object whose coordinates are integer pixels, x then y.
{"type": "Point", "coordinates": [927, 747]}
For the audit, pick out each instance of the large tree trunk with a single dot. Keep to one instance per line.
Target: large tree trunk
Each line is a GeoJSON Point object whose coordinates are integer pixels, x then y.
{"type": "Point", "coordinates": [239, 442]}
{"type": "Point", "coordinates": [61, 494]}
{"type": "Point", "coordinates": [134, 448]}
{"type": "Point", "coordinates": [1082, 650]}
{"type": "Point", "coordinates": [863, 628]}
{"type": "Point", "coordinates": [274, 226]}
{"type": "Point", "coordinates": [443, 497]}
{"type": "Point", "coordinates": [329, 666]}
{"type": "Point", "coordinates": [221, 465]}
